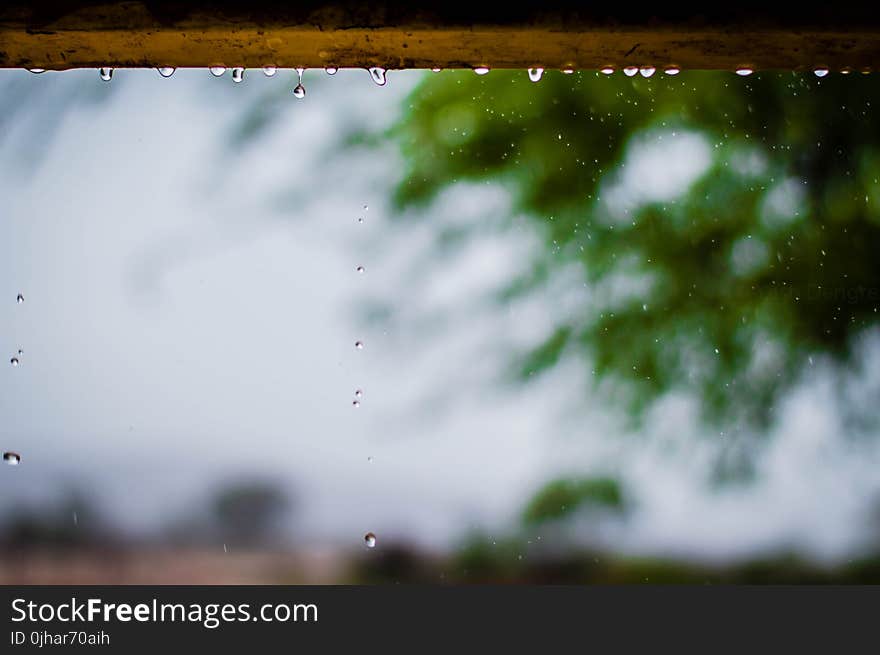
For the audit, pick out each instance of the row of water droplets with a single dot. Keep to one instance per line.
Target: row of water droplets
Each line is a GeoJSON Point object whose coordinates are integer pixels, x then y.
{"type": "Point", "coordinates": [238, 72]}
{"type": "Point", "coordinates": [379, 74]}
{"type": "Point", "coordinates": [11, 457]}
{"type": "Point", "coordinates": [369, 537]}
{"type": "Point", "coordinates": [535, 74]}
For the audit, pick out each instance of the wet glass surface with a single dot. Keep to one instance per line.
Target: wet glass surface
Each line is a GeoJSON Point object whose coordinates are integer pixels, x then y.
{"type": "Point", "coordinates": [442, 327]}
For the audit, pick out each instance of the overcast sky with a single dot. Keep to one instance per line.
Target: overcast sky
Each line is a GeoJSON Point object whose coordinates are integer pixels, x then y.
{"type": "Point", "coordinates": [191, 314]}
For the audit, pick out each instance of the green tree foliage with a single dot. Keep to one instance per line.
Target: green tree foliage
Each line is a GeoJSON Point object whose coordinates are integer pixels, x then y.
{"type": "Point", "coordinates": [770, 256]}
{"type": "Point", "coordinates": [560, 498]}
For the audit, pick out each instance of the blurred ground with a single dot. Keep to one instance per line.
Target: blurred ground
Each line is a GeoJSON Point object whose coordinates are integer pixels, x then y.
{"type": "Point", "coordinates": [398, 564]}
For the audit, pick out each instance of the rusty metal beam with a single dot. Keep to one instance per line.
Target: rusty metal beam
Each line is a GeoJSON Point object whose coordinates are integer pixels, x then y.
{"type": "Point", "coordinates": [63, 34]}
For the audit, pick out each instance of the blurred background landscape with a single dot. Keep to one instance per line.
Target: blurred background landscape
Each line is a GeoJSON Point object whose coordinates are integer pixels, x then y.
{"type": "Point", "coordinates": [612, 329]}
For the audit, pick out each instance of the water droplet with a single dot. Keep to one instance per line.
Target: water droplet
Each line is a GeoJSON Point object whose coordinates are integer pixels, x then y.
{"type": "Point", "coordinates": [355, 403]}
{"type": "Point", "coordinates": [535, 74]}
{"type": "Point", "coordinates": [743, 72]}
{"type": "Point", "coordinates": [435, 70]}
{"type": "Point", "coordinates": [217, 71]}
{"type": "Point", "coordinates": [37, 71]}
{"type": "Point", "coordinates": [14, 459]}
{"type": "Point", "coordinates": [647, 71]}
{"type": "Point", "coordinates": [378, 75]}
{"type": "Point", "coordinates": [166, 71]}
{"type": "Point", "coordinates": [299, 91]}
{"type": "Point", "coordinates": [370, 540]}
{"type": "Point", "coordinates": [237, 74]}
{"type": "Point", "coordinates": [14, 361]}
{"type": "Point", "coordinates": [331, 70]}
{"type": "Point", "coordinates": [366, 208]}
{"type": "Point", "coordinates": [607, 70]}
{"type": "Point", "coordinates": [820, 72]}
{"type": "Point", "coordinates": [846, 70]}
{"type": "Point", "coordinates": [481, 70]}
{"type": "Point", "coordinates": [19, 299]}
{"type": "Point", "coordinates": [360, 269]}
{"type": "Point", "coordinates": [567, 71]}
{"type": "Point", "coordinates": [75, 519]}
{"type": "Point", "coordinates": [359, 345]}
{"type": "Point", "coordinates": [370, 459]}
{"type": "Point", "coordinates": [672, 70]}
{"type": "Point", "coordinates": [20, 352]}
{"type": "Point", "coordinates": [106, 74]}
{"type": "Point", "coordinates": [225, 550]}
{"type": "Point", "coordinates": [360, 219]}
{"type": "Point", "coordinates": [629, 71]}
{"type": "Point", "coordinates": [358, 393]}
{"type": "Point", "coordinates": [269, 71]}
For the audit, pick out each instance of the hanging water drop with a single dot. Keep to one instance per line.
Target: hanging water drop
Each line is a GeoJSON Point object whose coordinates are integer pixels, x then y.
{"type": "Point", "coordinates": [567, 71]}
{"type": "Point", "coordinates": [217, 71]}
{"type": "Point", "coordinates": [820, 72]}
{"type": "Point", "coordinates": [435, 70]}
{"type": "Point", "coordinates": [744, 72]}
{"type": "Point", "coordinates": [535, 74]}
{"type": "Point", "coordinates": [378, 75]}
{"type": "Point", "coordinates": [370, 540]}
{"type": "Point", "coordinates": [269, 71]}
{"type": "Point", "coordinates": [672, 70]}
{"type": "Point", "coordinates": [331, 70]}
{"type": "Point", "coordinates": [237, 74]}
{"type": "Point", "coordinates": [37, 71]}
{"type": "Point", "coordinates": [299, 91]}
{"type": "Point", "coordinates": [14, 459]}
{"type": "Point", "coordinates": [166, 71]}
{"type": "Point", "coordinates": [106, 74]}
{"type": "Point", "coordinates": [629, 71]}
{"type": "Point", "coordinates": [359, 345]}
{"type": "Point", "coordinates": [647, 71]}
{"type": "Point", "coordinates": [607, 70]}
{"type": "Point", "coordinates": [19, 299]}
{"type": "Point", "coordinates": [481, 70]}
